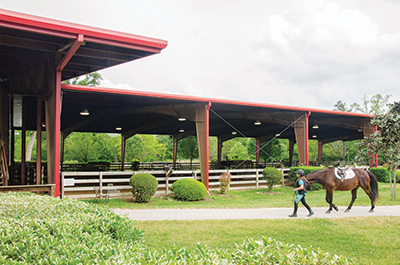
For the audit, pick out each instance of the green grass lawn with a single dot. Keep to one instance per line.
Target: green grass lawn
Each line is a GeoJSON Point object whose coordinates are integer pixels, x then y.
{"type": "Point", "coordinates": [279, 197]}
{"type": "Point", "coordinates": [366, 240]}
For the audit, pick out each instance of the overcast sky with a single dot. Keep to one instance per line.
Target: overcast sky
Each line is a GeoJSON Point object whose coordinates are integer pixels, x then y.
{"type": "Point", "coordinates": [297, 53]}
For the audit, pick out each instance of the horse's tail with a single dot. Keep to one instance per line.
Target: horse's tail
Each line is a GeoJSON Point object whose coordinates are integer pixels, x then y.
{"type": "Point", "coordinates": [373, 186]}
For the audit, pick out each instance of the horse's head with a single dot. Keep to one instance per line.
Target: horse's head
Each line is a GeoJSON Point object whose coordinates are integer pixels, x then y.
{"type": "Point", "coordinates": [316, 176]}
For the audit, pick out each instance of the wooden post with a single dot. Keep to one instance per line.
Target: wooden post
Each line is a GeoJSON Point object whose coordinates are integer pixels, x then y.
{"type": "Point", "coordinates": [39, 141]}
{"type": "Point", "coordinates": [257, 179]}
{"type": "Point", "coordinates": [23, 144]}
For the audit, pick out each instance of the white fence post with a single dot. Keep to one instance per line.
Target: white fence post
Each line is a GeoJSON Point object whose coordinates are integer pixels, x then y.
{"type": "Point", "coordinates": [166, 183]}
{"type": "Point", "coordinates": [101, 182]}
{"type": "Point", "coordinates": [257, 179]}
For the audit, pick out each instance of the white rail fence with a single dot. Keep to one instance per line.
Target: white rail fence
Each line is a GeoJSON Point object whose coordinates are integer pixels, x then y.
{"type": "Point", "coordinates": [80, 185]}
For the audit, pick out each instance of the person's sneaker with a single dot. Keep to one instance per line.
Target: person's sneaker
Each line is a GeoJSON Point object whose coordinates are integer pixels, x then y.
{"type": "Point", "coordinates": [293, 215]}
{"type": "Point", "coordinates": [310, 214]}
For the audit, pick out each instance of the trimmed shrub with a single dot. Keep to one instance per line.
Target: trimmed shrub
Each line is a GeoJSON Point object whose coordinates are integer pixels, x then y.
{"type": "Point", "coordinates": [224, 181]}
{"type": "Point", "coordinates": [307, 170]}
{"type": "Point", "coordinates": [189, 190]}
{"type": "Point", "coordinates": [273, 176]}
{"type": "Point", "coordinates": [381, 174]}
{"type": "Point", "coordinates": [144, 186]}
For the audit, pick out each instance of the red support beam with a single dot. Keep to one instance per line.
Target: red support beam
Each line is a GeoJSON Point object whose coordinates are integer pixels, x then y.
{"type": "Point", "coordinates": [203, 127]}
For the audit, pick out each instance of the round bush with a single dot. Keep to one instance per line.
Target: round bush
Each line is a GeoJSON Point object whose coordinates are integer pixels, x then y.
{"type": "Point", "coordinates": [144, 186]}
{"type": "Point", "coordinates": [273, 176]}
{"type": "Point", "coordinates": [189, 190]}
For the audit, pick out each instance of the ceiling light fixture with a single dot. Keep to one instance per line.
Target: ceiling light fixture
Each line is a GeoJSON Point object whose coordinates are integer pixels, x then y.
{"type": "Point", "coordinates": [181, 119]}
{"type": "Point", "coordinates": [118, 129]}
{"type": "Point", "coordinates": [315, 126]}
{"type": "Point", "coordinates": [278, 134]}
{"type": "Point", "coordinates": [84, 112]}
{"type": "Point", "coordinates": [234, 133]}
{"type": "Point", "coordinates": [257, 123]}
{"type": "Point", "coordinates": [314, 136]}
{"type": "Point", "coordinates": [181, 130]}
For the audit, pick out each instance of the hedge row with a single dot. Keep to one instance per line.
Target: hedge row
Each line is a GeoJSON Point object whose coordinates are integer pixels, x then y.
{"type": "Point", "coordinates": [44, 230]}
{"type": "Point", "coordinates": [382, 174]}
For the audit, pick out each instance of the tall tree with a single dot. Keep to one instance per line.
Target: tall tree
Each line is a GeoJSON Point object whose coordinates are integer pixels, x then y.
{"type": "Point", "coordinates": [387, 140]}
{"type": "Point", "coordinates": [376, 105]}
{"type": "Point", "coordinates": [188, 149]}
{"type": "Point", "coordinates": [144, 147]}
{"type": "Point", "coordinates": [92, 79]}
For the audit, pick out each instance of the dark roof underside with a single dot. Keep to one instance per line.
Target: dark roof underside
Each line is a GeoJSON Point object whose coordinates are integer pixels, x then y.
{"type": "Point", "coordinates": [137, 113]}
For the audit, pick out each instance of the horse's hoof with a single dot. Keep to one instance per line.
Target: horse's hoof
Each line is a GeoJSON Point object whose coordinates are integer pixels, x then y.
{"type": "Point", "coordinates": [328, 212]}
{"type": "Point", "coordinates": [336, 209]}
{"type": "Point", "coordinates": [347, 210]}
{"type": "Point", "coordinates": [371, 211]}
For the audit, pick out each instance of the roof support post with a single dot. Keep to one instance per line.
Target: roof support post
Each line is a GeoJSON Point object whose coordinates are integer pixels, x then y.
{"type": "Point", "coordinates": [174, 151]}
{"type": "Point", "coordinates": [301, 131]}
{"type": "Point", "coordinates": [123, 144]}
{"type": "Point", "coordinates": [219, 151]}
{"type": "Point", "coordinates": [202, 128]}
{"type": "Point", "coordinates": [53, 119]}
{"type": "Point", "coordinates": [23, 143]}
{"type": "Point", "coordinates": [320, 148]}
{"type": "Point", "coordinates": [5, 125]}
{"type": "Point", "coordinates": [39, 141]}
{"type": "Point", "coordinates": [291, 148]}
{"type": "Point", "coordinates": [258, 147]}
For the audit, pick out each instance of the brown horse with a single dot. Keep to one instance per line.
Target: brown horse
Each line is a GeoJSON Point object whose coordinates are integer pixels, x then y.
{"type": "Point", "coordinates": [363, 178]}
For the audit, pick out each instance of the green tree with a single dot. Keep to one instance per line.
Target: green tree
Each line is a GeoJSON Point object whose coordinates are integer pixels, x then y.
{"type": "Point", "coordinates": [238, 152]}
{"type": "Point", "coordinates": [167, 141]}
{"type": "Point", "coordinates": [188, 149]}
{"type": "Point", "coordinates": [79, 147]}
{"type": "Point", "coordinates": [376, 105]}
{"type": "Point", "coordinates": [144, 147]}
{"type": "Point", "coordinates": [271, 151]}
{"type": "Point", "coordinates": [387, 140]}
{"type": "Point", "coordinates": [92, 79]}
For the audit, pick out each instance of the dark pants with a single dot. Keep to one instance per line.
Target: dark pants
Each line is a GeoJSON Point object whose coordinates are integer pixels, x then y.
{"type": "Point", "coordinates": [303, 201]}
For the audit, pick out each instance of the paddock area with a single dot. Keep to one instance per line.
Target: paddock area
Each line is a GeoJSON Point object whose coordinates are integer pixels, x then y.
{"type": "Point", "coordinates": [82, 185]}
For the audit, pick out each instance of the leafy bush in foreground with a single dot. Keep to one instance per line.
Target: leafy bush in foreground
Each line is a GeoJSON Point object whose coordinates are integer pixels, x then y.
{"type": "Point", "coordinates": [44, 230]}
{"type": "Point", "coordinates": [189, 190]}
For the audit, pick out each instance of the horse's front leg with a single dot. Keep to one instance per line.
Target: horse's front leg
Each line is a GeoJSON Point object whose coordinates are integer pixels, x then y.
{"type": "Point", "coordinates": [328, 199]}
{"type": "Point", "coordinates": [353, 198]}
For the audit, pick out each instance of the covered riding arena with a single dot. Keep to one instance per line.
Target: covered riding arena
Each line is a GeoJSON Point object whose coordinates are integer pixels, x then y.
{"type": "Point", "coordinates": [37, 54]}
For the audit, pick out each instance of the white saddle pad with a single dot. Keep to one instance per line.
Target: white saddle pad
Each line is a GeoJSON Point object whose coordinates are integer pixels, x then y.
{"type": "Point", "coordinates": [349, 174]}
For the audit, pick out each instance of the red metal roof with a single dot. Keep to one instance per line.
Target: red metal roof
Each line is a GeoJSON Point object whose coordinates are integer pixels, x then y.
{"type": "Point", "coordinates": [205, 99]}
{"type": "Point", "coordinates": [54, 27]}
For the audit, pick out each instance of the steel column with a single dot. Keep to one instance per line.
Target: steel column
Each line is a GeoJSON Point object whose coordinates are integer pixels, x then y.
{"type": "Point", "coordinates": [202, 127]}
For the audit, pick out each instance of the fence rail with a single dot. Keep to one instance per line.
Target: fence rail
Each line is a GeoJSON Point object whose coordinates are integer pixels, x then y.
{"type": "Point", "coordinates": [80, 185]}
